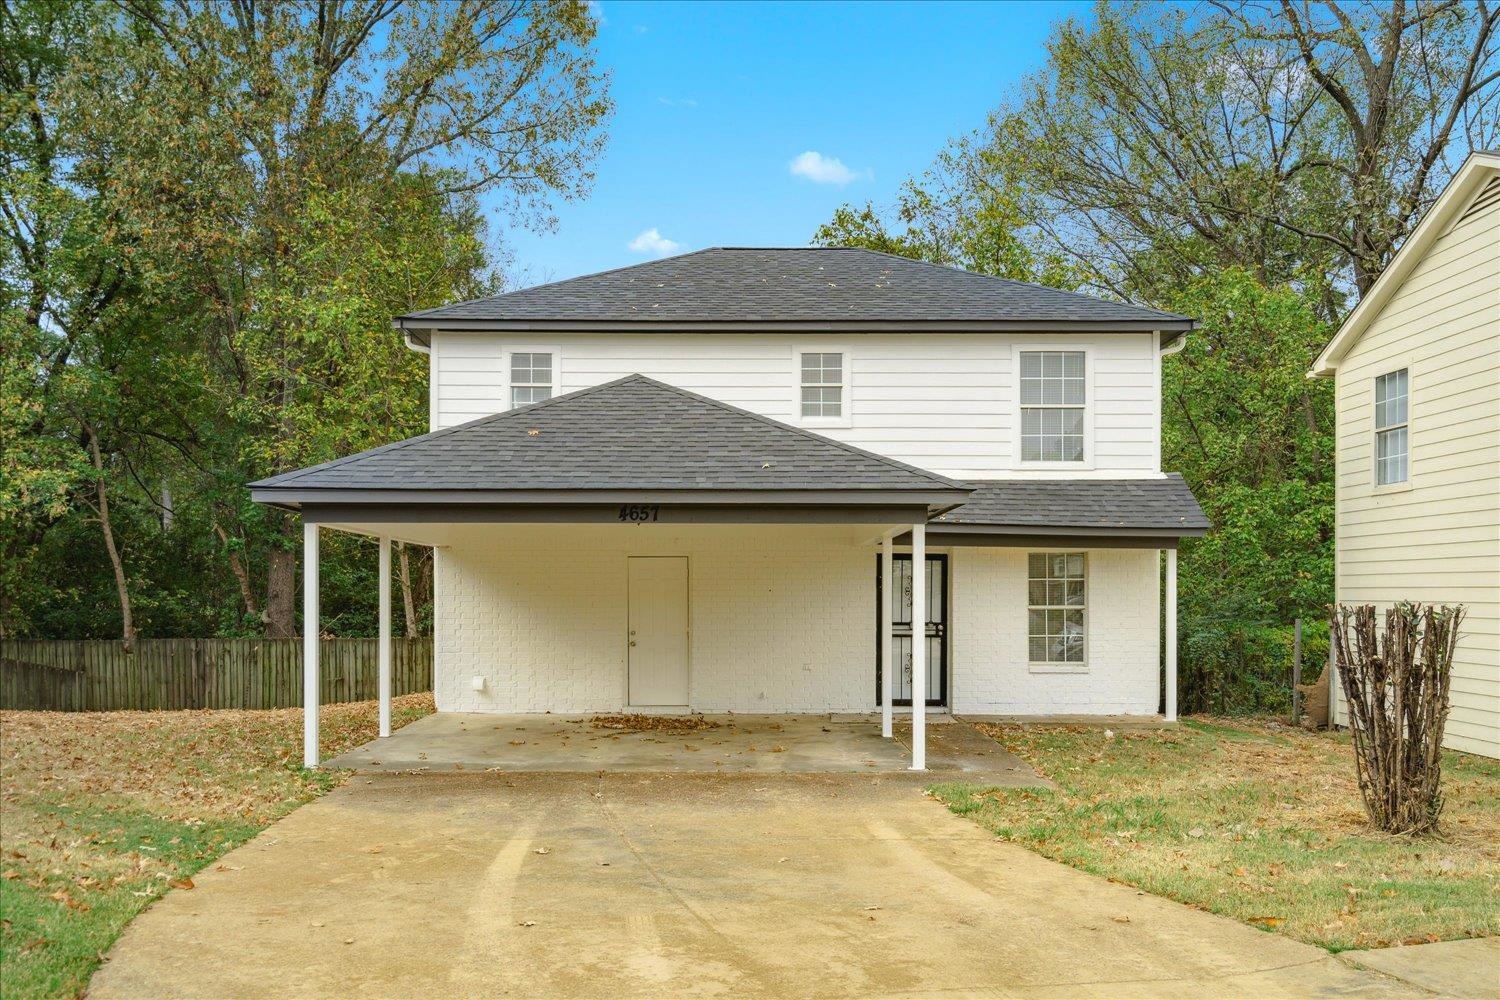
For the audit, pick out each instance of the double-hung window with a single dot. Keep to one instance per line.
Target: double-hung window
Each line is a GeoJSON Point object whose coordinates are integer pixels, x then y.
{"type": "Point", "coordinates": [1392, 457]}
{"type": "Point", "coordinates": [1052, 406]}
{"type": "Point", "coordinates": [823, 384]}
{"type": "Point", "coordinates": [531, 377]}
{"type": "Point", "coordinates": [1055, 606]}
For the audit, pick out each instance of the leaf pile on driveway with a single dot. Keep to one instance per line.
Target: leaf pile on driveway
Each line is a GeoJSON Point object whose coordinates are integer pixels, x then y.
{"type": "Point", "coordinates": [637, 723]}
{"type": "Point", "coordinates": [104, 811]}
{"type": "Point", "coordinates": [1256, 821]}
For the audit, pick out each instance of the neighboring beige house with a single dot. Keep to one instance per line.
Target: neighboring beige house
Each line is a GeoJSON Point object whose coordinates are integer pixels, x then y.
{"type": "Point", "coordinates": [1417, 366]}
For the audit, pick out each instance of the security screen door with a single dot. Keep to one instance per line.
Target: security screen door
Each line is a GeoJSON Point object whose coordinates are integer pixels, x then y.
{"type": "Point", "coordinates": [935, 631]}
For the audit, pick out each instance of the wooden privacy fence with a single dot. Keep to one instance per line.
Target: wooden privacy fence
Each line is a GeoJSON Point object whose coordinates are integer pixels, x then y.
{"type": "Point", "coordinates": [97, 675]}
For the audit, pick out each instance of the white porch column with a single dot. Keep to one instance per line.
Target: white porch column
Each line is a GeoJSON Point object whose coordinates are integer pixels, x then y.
{"type": "Point", "coordinates": [384, 642]}
{"type": "Point", "coordinates": [919, 647]}
{"type": "Point", "coordinates": [887, 624]}
{"type": "Point", "coordinates": [1170, 695]}
{"type": "Point", "coordinates": [309, 644]}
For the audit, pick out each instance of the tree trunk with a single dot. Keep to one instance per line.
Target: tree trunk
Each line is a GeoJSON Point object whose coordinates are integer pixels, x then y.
{"type": "Point", "coordinates": [408, 600]}
{"type": "Point", "coordinates": [242, 575]}
{"type": "Point", "coordinates": [281, 592]}
{"type": "Point", "coordinates": [122, 588]}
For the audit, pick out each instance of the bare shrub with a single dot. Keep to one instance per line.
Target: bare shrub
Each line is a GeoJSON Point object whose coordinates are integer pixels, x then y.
{"type": "Point", "coordinates": [1395, 681]}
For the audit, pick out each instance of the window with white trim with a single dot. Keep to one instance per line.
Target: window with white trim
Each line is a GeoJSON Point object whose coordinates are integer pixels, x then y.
{"type": "Point", "coordinates": [1055, 606]}
{"type": "Point", "coordinates": [1052, 406]}
{"type": "Point", "coordinates": [1392, 457]}
{"type": "Point", "coordinates": [823, 384]}
{"type": "Point", "coordinates": [530, 377]}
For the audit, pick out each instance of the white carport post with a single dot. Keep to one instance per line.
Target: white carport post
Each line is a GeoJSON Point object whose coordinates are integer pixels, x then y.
{"type": "Point", "coordinates": [383, 654]}
{"type": "Point", "coordinates": [919, 647]}
{"type": "Point", "coordinates": [1169, 696]}
{"type": "Point", "coordinates": [309, 644]}
{"type": "Point", "coordinates": [887, 624]}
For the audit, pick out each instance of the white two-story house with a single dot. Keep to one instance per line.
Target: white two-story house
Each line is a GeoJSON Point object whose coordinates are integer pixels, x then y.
{"type": "Point", "coordinates": [703, 483]}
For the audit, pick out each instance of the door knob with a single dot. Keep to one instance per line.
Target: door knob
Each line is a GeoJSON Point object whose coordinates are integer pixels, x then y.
{"type": "Point", "coordinates": [632, 642]}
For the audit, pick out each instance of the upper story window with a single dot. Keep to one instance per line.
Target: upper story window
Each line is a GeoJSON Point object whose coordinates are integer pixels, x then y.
{"type": "Point", "coordinates": [823, 384]}
{"type": "Point", "coordinates": [531, 377]}
{"type": "Point", "coordinates": [1052, 406]}
{"type": "Point", "coordinates": [1391, 453]}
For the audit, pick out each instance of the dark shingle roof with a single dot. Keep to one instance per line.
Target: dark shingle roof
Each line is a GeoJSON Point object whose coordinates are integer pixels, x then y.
{"type": "Point", "coordinates": [1165, 505]}
{"type": "Point", "coordinates": [630, 434]}
{"type": "Point", "coordinates": [798, 285]}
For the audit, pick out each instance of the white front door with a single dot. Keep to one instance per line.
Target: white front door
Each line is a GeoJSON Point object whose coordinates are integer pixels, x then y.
{"type": "Point", "coordinates": [658, 631]}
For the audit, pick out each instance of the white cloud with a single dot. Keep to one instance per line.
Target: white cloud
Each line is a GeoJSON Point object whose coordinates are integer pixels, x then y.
{"type": "Point", "coordinates": [822, 169]}
{"type": "Point", "coordinates": [677, 102]}
{"type": "Point", "coordinates": [652, 243]}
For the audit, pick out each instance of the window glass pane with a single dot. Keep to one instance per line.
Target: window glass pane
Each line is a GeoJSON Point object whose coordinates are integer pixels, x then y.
{"type": "Point", "coordinates": [1031, 364]}
{"type": "Point", "coordinates": [1390, 456]}
{"type": "Point", "coordinates": [1031, 390]}
{"type": "Point", "coordinates": [1391, 399]}
{"type": "Point", "coordinates": [1055, 628]}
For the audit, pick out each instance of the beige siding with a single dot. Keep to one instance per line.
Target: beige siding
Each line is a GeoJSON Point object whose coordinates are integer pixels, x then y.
{"type": "Point", "coordinates": [1438, 537]}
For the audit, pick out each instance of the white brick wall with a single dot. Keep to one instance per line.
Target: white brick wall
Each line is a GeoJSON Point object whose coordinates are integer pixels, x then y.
{"type": "Point", "coordinates": [783, 620]}
{"type": "Point", "coordinates": [990, 673]}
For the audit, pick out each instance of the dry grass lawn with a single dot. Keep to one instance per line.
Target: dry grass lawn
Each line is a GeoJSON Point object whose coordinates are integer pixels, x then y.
{"type": "Point", "coordinates": [102, 812]}
{"type": "Point", "coordinates": [1255, 821]}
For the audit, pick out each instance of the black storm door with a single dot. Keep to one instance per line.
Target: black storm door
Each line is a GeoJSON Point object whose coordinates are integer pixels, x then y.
{"type": "Point", "coordinates": [934, 631]}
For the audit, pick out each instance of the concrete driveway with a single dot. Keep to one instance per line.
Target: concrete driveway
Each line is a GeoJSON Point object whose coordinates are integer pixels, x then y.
{"type": "Point", "coordinates": [678, 885]}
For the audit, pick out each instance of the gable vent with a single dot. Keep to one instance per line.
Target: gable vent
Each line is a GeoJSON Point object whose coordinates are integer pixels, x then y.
{"type": "Point", "coordinates": [1488, 196]}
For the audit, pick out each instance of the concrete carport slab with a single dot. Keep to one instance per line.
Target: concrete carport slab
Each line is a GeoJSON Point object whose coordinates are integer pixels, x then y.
{"type": "Point", "coordinates": [716, 744]}
{"type": "Point", "coordinates": [678, 885]}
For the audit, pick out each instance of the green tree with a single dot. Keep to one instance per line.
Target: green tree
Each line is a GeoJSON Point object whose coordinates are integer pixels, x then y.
{"type": "Point", "coordinates": [308, 170]}
{"type": "Point", "coordinates": [1251, 164]}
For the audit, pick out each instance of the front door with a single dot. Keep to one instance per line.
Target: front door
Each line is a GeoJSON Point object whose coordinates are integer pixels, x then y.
{"type": "Point", "coordinates": [934, 631]}
{"type": "Point", "coordinates": [658, 650]}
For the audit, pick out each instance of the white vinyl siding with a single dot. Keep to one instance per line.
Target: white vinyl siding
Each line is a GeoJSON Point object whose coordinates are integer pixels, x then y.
{"type": "Point", "coordinates": [1436, 536]}
{"type": "Point", "coordinates": [945, 402]}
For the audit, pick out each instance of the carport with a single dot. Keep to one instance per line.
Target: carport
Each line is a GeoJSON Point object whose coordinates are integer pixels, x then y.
{"type": "Point", "coordinates": [632, 459]}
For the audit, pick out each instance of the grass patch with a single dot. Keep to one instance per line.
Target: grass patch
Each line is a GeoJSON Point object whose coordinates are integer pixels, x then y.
{"type": "Point", "coordinates": [103, 812]}
{"type": "Point", "coordinates": [1254, 821]}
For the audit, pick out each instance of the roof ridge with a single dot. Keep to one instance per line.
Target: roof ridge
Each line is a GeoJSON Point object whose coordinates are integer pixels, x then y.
{"type": "Point", "coordinates": [283, 478]}
{"type": "Point", "coordinates": [804, 432]}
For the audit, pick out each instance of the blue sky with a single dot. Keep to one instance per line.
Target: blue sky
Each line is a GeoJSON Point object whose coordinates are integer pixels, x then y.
{"type": "Point", "coordinates": [714, 102]}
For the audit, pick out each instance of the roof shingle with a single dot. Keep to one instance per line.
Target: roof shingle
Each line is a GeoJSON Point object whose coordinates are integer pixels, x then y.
{"type": "Point", "coordinates": [1156, 505]}
{"type": "Point", "coordinates": [633, 433]}
{"type": "Point", "coordinates": [834, 285]}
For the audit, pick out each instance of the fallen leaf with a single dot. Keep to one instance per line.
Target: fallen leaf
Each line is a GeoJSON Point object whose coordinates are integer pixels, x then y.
{"type": "Point", "coordinates": [182, 883]}
{"type": "Point", "coordinates": [542, 850]}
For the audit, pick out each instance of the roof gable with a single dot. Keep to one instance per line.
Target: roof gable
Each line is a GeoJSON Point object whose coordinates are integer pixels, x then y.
{"type": "Point", "coordinates": [1467, 186]}
{"type": "Point", "coordinates": [634, 433]}
{"type": "Point", "coordinates": [801, 287]}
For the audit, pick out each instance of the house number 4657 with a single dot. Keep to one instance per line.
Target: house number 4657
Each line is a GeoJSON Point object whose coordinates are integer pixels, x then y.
{"type": "Point", "coordinates": [639, 512]}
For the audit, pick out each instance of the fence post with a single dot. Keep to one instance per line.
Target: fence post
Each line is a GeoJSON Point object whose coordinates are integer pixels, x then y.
{"type": "Point", "coordinates": [1296, 672]}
